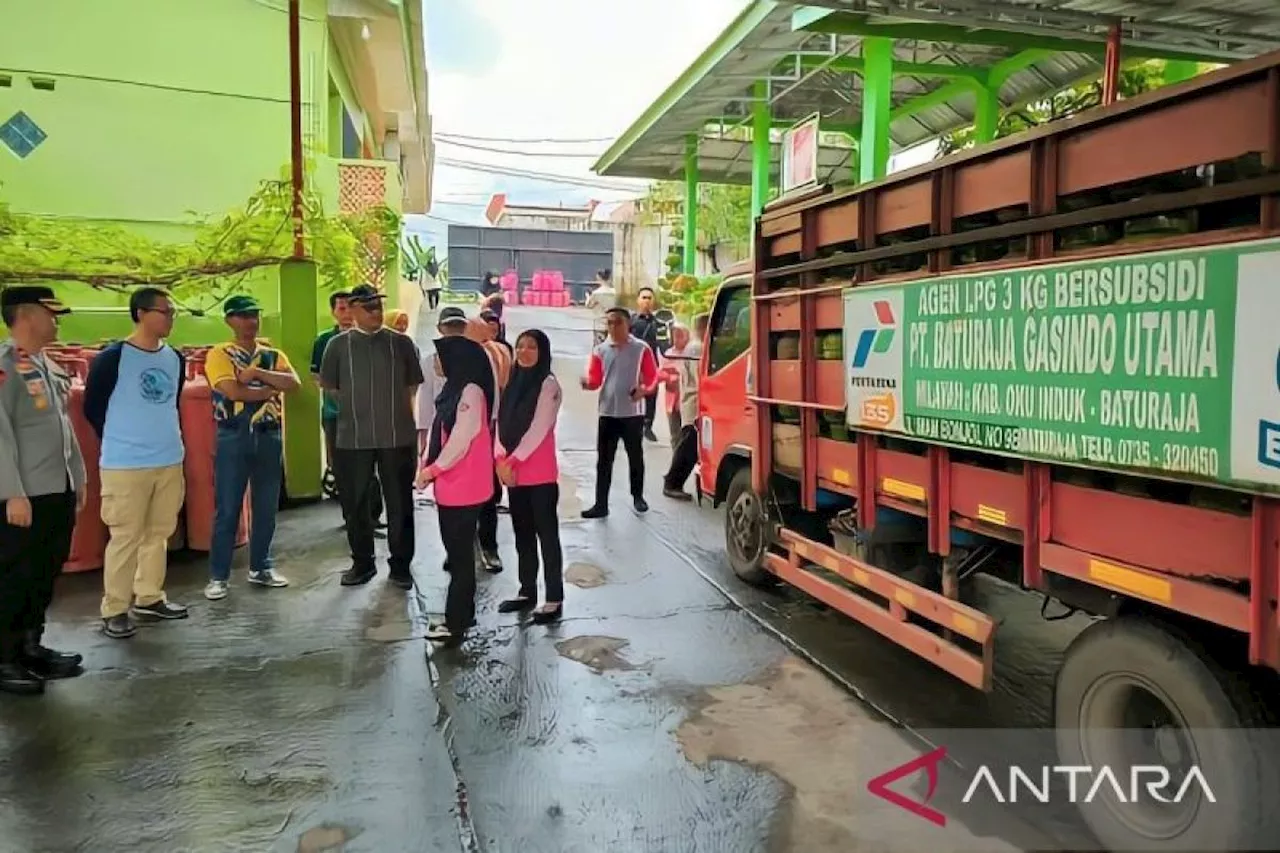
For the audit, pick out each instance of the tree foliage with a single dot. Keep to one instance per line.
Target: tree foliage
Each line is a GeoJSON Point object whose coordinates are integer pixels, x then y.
{"type": "Point", "coordinates": [1134, 80]}
{"type": "Point", "coordinates": [724, 216]}
{"type": "Point", "coordinates": [219, 253]}
{"type": "Point", "coordinates": [422, 263]}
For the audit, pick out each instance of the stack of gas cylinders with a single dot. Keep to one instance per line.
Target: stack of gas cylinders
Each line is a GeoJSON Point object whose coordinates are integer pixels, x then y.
{"type": "Point", "coordinates": [547, 290]}
{"type": "Point", "coordinates": [510, 281]}
{"type": "Point", "coordinates": [195, 523]}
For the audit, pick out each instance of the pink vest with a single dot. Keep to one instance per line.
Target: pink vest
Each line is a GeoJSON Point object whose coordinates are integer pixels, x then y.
{"type": "Point", "coordinates": [470, 482]}
{"type": "Point", "coordinates": [541, 466]}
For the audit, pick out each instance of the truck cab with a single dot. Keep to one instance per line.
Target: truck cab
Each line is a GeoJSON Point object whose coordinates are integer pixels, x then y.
{"type": "Point", "coordinates": [726, 418]}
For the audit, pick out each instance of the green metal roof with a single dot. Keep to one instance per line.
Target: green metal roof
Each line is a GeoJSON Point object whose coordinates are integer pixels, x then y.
{"type": "Point", "coordinates": [810, 57]}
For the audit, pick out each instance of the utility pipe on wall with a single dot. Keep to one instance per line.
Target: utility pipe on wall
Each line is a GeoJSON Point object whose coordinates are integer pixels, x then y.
{"type": "Point", "coordinates": [295, 125]}
{"type": "Point", "coordinates": [1111, 66]}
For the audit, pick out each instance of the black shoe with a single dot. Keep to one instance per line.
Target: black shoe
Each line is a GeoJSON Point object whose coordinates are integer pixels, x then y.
{"type": "Point", "coordinates": [15, 679]}
{"type": "Point", "coordinates": [640, 504]}
{"type": "Point", "coordinates": [676, 494]}
{"type": "Point", "coordinates": [649, 436]}
{"type": "Point", "coordinates": [515, 605]}
{"type": "Point", "coordinates": [491, 562]}
{"type": "Point", "coordinates": [441, 635]}
{"type": "Point", "coordinates": [401, 580]}
{"type": "Point", "coordinates": [358, 576]}
{"type": "Point", "coordinates": [45, 663]}
{"type": "Point", "coordinates": [546, 617]}
{"type": "Point", "coordinates": [160, 610]}
{"type": "Point", "coordinates": [596, 512]}
{"type": "Point", "coordinates": [119, 627]}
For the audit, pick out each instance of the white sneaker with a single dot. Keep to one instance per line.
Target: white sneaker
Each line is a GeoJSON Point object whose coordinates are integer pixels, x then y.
{"type": "Point", "coordinates": [216, 590]}
{"type": "Point", "coordinates": [267, 577]}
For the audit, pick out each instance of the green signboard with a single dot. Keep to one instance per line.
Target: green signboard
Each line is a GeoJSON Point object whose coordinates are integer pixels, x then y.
{"type": "Point", "coordinates": [1165, 362]}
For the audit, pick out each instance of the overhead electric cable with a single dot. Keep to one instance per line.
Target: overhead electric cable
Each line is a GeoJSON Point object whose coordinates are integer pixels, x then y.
{"type": "Point", "coordinates": [589, 155]}
{"type": "Point", "coordinates": [527, 139]}
{"type": "Point", "coordinates": [548, 177]}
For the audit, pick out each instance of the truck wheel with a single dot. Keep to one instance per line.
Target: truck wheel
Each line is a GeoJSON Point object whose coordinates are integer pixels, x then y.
{"type": "Point", "coordinates": [1135, 674]}
{"type": "Point", "coordinates": [746, 530]}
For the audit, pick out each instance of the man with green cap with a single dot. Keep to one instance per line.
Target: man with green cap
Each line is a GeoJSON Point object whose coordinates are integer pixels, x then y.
{"type": "Point", "coordinates": [247, 377]}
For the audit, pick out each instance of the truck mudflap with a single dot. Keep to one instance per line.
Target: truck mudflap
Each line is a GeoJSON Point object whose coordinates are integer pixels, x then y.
{"type": "Point", "coordinates": [965, 644]}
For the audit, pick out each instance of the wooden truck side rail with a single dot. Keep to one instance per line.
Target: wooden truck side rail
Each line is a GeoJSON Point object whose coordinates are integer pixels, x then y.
{"type": "Point", "coordinates": [1023, 201]}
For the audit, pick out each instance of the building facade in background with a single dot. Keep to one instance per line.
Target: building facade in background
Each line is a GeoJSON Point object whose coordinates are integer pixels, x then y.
{"type": "Point", "coordinates": [152, 113]}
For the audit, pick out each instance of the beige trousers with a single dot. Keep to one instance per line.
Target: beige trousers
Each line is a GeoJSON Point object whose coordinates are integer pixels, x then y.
{"type": "Point", "coordinates": [140, 507]}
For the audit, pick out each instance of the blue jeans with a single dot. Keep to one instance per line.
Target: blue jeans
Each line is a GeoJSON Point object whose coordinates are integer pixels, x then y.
{"type": "Point", "coordinates": [253, 458]}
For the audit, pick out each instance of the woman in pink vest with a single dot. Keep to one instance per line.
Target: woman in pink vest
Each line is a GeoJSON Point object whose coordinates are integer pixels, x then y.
{"type": "Point", "coordinates": [526, 461]}
{"type": "Point", "coordinates": [459, 460]}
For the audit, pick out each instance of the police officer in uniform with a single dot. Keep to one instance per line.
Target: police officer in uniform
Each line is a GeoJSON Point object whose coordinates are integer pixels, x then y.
{"type": "Point", "coordinates": [42, 487]}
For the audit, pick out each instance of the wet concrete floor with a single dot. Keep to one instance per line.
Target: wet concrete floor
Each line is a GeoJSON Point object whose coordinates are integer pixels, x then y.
{"type": "Point", "coordinates": [660, 715]}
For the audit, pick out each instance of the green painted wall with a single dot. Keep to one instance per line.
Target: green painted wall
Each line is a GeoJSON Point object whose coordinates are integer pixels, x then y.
{"type": "Point", "coordinates": [162, 112]}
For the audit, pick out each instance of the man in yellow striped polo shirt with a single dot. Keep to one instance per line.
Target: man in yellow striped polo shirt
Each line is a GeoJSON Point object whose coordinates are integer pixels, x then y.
{"type": "Point", "coordinates": [247, 378]}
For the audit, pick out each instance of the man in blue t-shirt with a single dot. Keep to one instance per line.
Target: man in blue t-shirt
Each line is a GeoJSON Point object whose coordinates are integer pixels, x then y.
{"type": "Point", "coordinates": [131, 400]}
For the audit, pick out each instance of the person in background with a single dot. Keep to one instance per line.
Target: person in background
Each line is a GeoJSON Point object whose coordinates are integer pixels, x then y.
{"type": "Point", "coordinates": [340, 309]}
{"type": "Point", "coordinates": [625, 372]}
{"type": "Point", "coordinates": [602, 300]}
{"type": "Point", "coordinates": [375, 373]}
{"type": "Point", "coordinates": [247, 377]}
{"type": "Point", "coordinates": [526, 464]}
{"type": "Point", "coordinates": [484, 330]}
{"type": "Point", "coordinates": [644, 326]}
{"type": "Point", "coordinates": [671, 379]}
{"type": "Point", "coordinates": [497, 328]}
{"type": "Point", "coordinates": [459, 461]}
{"type": "Point", "coordinates": [433, 289]}
{"type": "Point", "coordinates": [685, 454]}
{"type": "Point", "coordinates": [398, 320]}
{"type": "Point", "coordinates": [131, 400]}
{"type": "Point", "coordinates": [42, 488]}
{"type": "Point", "coordinates": [452, 323]}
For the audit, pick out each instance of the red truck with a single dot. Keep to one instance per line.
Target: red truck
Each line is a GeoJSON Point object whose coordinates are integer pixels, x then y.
{"type": "Point", "coordinates": [1054, 359]}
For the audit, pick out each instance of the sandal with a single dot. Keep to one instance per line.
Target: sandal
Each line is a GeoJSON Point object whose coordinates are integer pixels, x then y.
{"type": "Point", "coordinates": [548, 613]}
{"type": "Point", "coordinates": [440, 633]}
{"type": "Point", "coordinates": [515, 605]}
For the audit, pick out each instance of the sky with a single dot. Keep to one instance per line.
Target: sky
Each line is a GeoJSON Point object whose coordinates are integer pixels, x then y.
{"type": "Point", "coordinates": [549, 69]}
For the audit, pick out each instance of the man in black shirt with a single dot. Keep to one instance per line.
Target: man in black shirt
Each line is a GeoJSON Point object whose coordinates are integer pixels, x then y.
{"type": "Point", "coordinates": [645, 327]}
{"type": "Point", "coordinates": [374, 373]}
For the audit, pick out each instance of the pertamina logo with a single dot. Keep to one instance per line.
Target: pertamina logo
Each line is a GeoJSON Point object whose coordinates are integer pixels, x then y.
{"type": "Point", "coordinates": [1269, 434]}
{"type": "Point", "coordinates": [879, 338]}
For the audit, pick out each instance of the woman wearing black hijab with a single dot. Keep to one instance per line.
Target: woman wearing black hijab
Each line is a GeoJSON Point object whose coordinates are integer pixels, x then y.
{"type": "Point", "coordinates": [459, 460]}
{"type": "Point", "coordinates": [526, 462]}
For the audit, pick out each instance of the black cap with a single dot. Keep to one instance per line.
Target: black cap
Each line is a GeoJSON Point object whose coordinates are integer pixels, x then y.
{"type": "Point", "coordinates": [12, 297]}
{"type": "Point", "coordinates": [451, 314]}
{"type": "Point", "coordinates": [490, 316]}
{"type": "Point", "coordinates": [365, 294]}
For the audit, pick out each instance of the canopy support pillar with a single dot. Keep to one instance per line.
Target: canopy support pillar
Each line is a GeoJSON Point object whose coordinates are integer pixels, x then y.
{"type": "Point", "coordinates": [986, 117]}
{"type": "Point", "coordinates": [691, 205]}
{"type": "Point", "coordinates": [877, 104]}
{"type": "Point", "coordinates": [761, 121]}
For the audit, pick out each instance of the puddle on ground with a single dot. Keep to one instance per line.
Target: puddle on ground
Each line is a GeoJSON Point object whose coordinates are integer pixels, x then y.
{"type": "Point", "coordinates": [326, 838]}
{"type": "Point", "coordinates": [585, 575]}
{"type": "Point", "coordinates": [598, 653]}
{"type": "Point", "coordinates": [802, 728]}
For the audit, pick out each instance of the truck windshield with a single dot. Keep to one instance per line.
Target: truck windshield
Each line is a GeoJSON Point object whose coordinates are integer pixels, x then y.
{"type": "Point", "coordinates": [730, 326]}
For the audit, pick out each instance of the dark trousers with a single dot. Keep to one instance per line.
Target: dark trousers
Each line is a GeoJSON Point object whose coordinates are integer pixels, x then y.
{"type": "Point", "coordinates": [331, 447]}
{"type": "Point", "coordinates": [458, 534]}
{"type": "Point", "coordinates": [359, 473]}
{"type": "Point", "coordinates": [536, 525]}
{"type": "Point", "coordinates": [30, 560]}
{"type": "Point", "coordinates": [487, 525]}
{"type": "Point", "coordinates": [608, 432]}
{"type": "Point", "coordinates": [650, 411]}
{"type": "Point", "coordinates": [684, 459]}
{"type": "Point", "coordinates": [245, 458]}
{"type": "Point", "coordinates": [433, 299]}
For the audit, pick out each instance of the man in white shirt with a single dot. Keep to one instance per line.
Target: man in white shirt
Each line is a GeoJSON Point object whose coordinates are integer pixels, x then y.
{"type": "Point", "coordinates": [452, 322]}
{"type": "Point", "coordinates": [601, 301]}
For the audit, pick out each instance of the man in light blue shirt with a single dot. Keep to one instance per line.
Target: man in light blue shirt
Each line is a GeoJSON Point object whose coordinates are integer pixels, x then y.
{"type": "Point", "coordinates": [131, 400]}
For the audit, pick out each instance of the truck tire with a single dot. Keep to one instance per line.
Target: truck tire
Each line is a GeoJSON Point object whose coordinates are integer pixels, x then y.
{"type": "Point", "coordinates": [1135, 673]}
{"type": "Point", "coordinates": [746, 530]}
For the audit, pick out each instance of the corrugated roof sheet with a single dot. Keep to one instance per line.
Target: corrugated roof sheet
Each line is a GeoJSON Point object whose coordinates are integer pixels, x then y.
{"type": "Point", "coordinates": [762, 43]}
